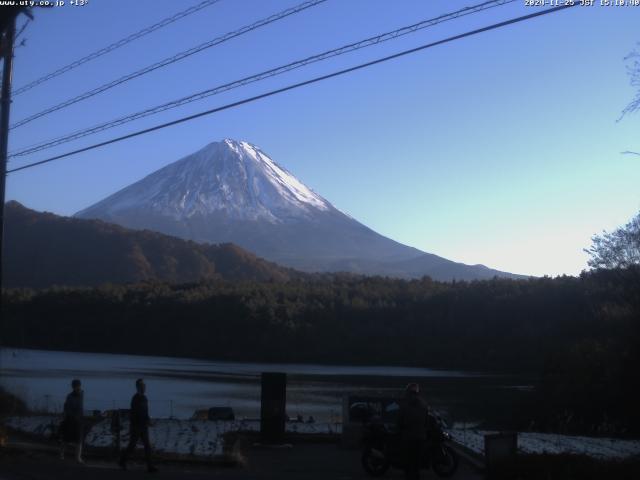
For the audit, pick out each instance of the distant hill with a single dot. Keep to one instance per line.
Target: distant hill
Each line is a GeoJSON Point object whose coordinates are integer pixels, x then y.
{"type": "Point", "coordinates": [43, 249]}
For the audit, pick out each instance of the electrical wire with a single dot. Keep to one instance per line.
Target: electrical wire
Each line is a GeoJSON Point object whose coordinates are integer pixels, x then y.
{"type": "Point", "coordinates": [170, 60]}
{"type": "Point", "coordinates": [260, 76]}
{"type": "Point", "coordinates": [296, 85]}
{"type": "Point", "coordinates": [115, 45]}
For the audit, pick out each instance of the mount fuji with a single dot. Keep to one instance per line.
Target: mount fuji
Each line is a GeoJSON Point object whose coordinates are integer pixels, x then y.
{"type": "Point", "coordinates": [231, 191]}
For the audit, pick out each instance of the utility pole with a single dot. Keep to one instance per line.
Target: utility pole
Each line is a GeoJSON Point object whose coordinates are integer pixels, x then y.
{"type": "Point", "coordinates": [5, 105]}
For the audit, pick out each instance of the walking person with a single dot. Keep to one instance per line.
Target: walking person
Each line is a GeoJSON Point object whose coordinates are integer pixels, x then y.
{"type": "Point", "coordinates": [412, 426]}
{"type": "Point", "coordinates": [71, 428]}
{"type": "Point", "coordinates": [138, 427]}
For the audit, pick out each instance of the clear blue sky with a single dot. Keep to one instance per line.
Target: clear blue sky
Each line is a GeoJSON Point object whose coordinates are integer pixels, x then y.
{"type": "Point", "coordinates": [501, 149]}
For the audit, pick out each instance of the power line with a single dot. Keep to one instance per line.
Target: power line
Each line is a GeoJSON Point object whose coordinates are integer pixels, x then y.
{"type": "Point", "coordinates": [175, 58]}
{"type": "Point", "coordinates": [116, 45]}
{"type": "Point", "coordinates": [260, 76]}
{"type": "Point", "coordinates": [296, 85]}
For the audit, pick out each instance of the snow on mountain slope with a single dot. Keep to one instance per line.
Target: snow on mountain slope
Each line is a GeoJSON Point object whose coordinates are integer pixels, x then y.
{"type": "Point", "coordinates": [236, 178]}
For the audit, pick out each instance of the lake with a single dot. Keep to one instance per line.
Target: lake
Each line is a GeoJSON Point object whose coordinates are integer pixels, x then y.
{"type": "Point", "coordinates": [178, 386]}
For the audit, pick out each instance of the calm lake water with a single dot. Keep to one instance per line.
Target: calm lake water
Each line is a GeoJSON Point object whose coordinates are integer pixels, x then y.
{"type": "Point", "coordinates": [178, 386]}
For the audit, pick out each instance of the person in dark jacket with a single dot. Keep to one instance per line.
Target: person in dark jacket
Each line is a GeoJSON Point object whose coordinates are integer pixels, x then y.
{"type": "Point", "coordinates": [138, 427]}
{"type": "Point", "coordinates": [71, 427]}
{"type": "Point", "coordinates": [412, 426]}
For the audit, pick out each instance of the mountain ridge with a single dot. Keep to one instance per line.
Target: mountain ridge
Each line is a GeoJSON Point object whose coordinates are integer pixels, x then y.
{"type": "Point", "coordinates": [43, 249]}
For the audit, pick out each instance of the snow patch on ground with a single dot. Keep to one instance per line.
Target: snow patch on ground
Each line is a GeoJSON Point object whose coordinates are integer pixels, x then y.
{"type": "Point", "coordinates": [204, 438]}
{"type": "Point", "coordinates": [41, 425]}
{"type": "Point", "coordinates": [531, 442]}
{"type": "Point", "coordinates": [201, 438]}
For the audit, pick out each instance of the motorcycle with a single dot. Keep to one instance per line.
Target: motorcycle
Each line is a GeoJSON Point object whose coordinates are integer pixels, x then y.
{"type": "Point", "coordinates": [383, 449]}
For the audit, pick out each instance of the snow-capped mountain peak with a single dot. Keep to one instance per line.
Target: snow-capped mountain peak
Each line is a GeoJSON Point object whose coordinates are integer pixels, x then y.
{"type": "Point", "coordinates": [286, 183]}
{"type": "Point", "coordinates": [231, 178]}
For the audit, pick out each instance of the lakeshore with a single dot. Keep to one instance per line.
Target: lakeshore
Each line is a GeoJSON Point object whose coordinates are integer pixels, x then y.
{"type": "Point", "coordinates": [180, 386]}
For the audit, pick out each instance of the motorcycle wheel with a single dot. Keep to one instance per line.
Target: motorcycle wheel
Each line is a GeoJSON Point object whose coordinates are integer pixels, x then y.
{"type": "Point", "coordinates": [445, 462]}
{"type": "Point", "coordinates": [374, 465]}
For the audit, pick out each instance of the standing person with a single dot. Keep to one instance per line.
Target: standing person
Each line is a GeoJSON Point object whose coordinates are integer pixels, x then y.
{"type": "Point", "coordinates": [412, 426]}
{"type": "Point", "coordinates": [71, 426]}
{"type": "Point", "coordinates": [138, 427]}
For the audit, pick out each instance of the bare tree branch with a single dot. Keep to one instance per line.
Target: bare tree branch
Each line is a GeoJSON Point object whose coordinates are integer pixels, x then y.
{"type": "Point", "coordinates": [633, 70]}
